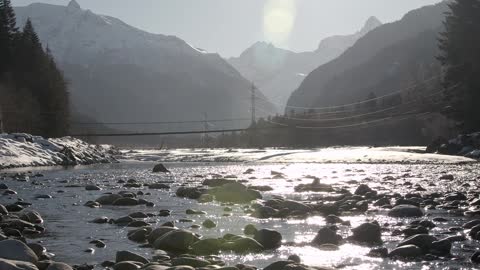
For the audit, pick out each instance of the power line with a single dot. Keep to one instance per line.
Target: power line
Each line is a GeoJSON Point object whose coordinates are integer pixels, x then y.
{"type": "Point", "coordinates": [366, 114]}
{"type": "Point", "coordinates": [360, 102]}
{"type": "Point", "coordinates": [162, 122]}
{"type": "Point", "coordinates": [162, 133]}
{"type": "Point", "coordinates": [409, 114]}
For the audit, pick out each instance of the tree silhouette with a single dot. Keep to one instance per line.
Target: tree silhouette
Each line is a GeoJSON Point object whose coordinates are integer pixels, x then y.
{"type": "Point", "coordinates": [460, 56]}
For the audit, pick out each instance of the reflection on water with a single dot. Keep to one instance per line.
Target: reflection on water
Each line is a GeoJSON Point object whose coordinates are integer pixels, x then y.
{"type": "Point", "coordinates": [69, 231]}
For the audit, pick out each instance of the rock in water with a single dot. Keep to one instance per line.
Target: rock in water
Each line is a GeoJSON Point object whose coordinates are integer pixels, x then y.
{"type": "Point", "coordinates": [235, 193]}
{"type": "Point", "coordinates": [127, 266]}
{"type": "Point", "coordinates": [3, 210]}
{"type": "Point", "coordinates": [249, 229]}
{"type": "Point", "coordinates": [423, 241]}
{"type": "Point", "coordinates": [368, 233]}
{"type": "Point", "coordinates": [405, 210]}
{"type": "Point", "coordinates": [362, 189]}
{"type": "Point", "coordinates": [176, 241]}
{"type": "Point", "coordinates": [92, 187]}
{"type": "Point", "coordinates": [59, 266]}
{"type": "Point", "coordinates": [269, 239]}
{"type": "Point", "coordinates": [209, 224]}
{"type": "Point", "coordinates": [32, 217]}
{"type": "Point", "coordinates": [326, 236]}
{"type": "Point", "coordinates": [475, 257]}
{"type": "Point", "coordinates": [16, 265]}
{"type": "Point", "coordinates": [193, 262]}
{"type": "Point", "coordinates": [441, 247]}
{"type": "Point", "coordinates": [126, 202]}
{"type": "Point", "coordinates": [160, 168]}
{"type": "Point", "coordinates": [15, 250]}
{"type": "Point", "coordinates": [206, 247]}
{"type": "Point", "coordinates": [123, 256]}
{"type": "Point", "coordinates": [159, 232]}
{"type": "Point", "coordinates": [242, 245]}
{"type": "Point", "coordinates": [408, 251]}
{"type": "Point", "coordinates": [108, 199]}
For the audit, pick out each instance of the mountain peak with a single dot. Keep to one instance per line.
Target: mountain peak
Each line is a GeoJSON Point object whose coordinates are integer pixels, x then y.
{"type": "Point", "coordinates": [372, 23]}
{"type": "Point", "coordinates": [73, 5]}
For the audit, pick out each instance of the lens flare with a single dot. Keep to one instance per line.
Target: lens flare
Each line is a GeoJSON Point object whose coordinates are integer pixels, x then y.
{"type": "Point", "coordinates": [278, 20]}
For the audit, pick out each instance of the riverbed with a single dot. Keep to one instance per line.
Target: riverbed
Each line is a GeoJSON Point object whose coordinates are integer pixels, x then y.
{"type": "Point", "coordinates": [69, 230]}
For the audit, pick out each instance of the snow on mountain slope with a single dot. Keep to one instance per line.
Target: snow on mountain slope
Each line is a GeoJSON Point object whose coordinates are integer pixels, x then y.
{"type": "Point", "coordinates": [120, 73]}
{"type": "Point", "coordinates": [279, 72]}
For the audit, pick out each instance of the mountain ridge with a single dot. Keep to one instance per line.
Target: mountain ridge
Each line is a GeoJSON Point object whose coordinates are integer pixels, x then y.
{"type": "Point", "coordinates": [278, 72]}
{"type": "Point", "coordinates": [120, 72]}
{"type": "Point", "coordinates": [313, 91]}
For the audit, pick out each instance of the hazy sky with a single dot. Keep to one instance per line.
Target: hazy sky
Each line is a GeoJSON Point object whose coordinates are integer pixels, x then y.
{"type": "Point", "coordinates": [230, 26]}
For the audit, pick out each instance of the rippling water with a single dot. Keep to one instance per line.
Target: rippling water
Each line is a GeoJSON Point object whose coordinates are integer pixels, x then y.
{"type": "Point", "coordinates": [69, 231]}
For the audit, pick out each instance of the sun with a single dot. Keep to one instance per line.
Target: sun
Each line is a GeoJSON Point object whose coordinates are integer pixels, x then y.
{"type": "Point", "coordinates": [278, 20]}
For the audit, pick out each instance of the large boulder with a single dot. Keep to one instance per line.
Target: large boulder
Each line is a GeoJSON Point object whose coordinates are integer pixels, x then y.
{"type": "Point", "coordinates": [158, 186]}
{"type": "Point", "coordinates": [405, 210]}
{"type": "Point", "coordinates": [326, 236]}
{"type": "Point", "coordinates": [269, 239]}
{"type": "Point", "coordinates": [123, 256]}
{"type": "Point", "coordinates": [3, 210]}
{"type": "Point", "coordinates": [16, 265]}
{"type": "Point", "coordinates": [235, 192]}
{"type": "Point", "coordinates": [176, 241]}
{"type": "Point", "coordinates": [242, 245]}
{"type": "Point", "coordinates": [190, 192]}
{"type": "Point", "coordinates": [15, 250]}
{"type": "Point", "coordinates": [362, 190]}
{"type": "Point", "coordinates": [368, 233]}
{"type": "Point", "coordinates": [407, 251]}
{"type": "Point", "coordinates": [31, 216]}
{"type": "Point", "coordinates": [441, 247]}
{"type": "Point", "coordinates": [59, 266]}
{"type": "Point", "coordinates": [423, 241]}
{"type": "Point", "coordinates": [160, 168]}
{"type": "Point", "coordinates": [139, 235]}
{"type": "Point", "coordinates": [206, 246]}
{"type": "Point", "coordinates": [127, 265]}
{"type": "Point", "coordinates": [159, 232]}
{"type": "Point", "coordinates": [294, 206]}
{"type": "Point", "coordinates": [265, 212]}
{"type": "Point", "coordinates": [193, 262]}
{"type": "Point", "coordinates": [217, 182]}
{"type": "Point", "coordinates": [126, 202]}
{"type": "Point", "coordinates": [108, 199]}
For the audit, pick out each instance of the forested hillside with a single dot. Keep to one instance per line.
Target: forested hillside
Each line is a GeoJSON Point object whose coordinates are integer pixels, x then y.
{"type": "Point", "coordinates": [33, 92]}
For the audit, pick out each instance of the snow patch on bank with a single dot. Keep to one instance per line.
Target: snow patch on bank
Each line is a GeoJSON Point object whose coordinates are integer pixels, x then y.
{"type": "Point", "coordinates": [25, 150]}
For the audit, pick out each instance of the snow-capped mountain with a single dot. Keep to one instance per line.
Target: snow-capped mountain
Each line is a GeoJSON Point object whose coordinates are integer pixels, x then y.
{"type": "Point", "coordinates": [120, 73]}
{"type": "Point", "coordinates": [279, 72]}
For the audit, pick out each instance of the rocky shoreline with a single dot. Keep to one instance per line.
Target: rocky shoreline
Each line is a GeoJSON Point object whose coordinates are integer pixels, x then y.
{"type": "Point", "coordinates": [466, 145]}
{"type": "Point", "coordinates": [25, 150]}
{"type": "Point", "coordinates": [175, 248]}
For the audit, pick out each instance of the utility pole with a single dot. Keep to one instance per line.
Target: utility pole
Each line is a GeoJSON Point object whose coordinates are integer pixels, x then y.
{"type": "Point", "coordinates": [205, 129]}
{"type": "Point", "coordinates": [254, 118]}
{"type": "Point", "coordinates": [253, 105]}
{"type": "Point", "coordinates": [1, 121]}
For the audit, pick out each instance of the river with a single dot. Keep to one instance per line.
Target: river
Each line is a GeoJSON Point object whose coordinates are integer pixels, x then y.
{"type": "Point", "coordinates": [69, 231]}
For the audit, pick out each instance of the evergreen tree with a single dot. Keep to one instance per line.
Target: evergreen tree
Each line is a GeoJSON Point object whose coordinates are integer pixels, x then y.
{"type": "Point", "coordinates": [460, 56]}
{"type": "Point", "coordinates": [35, 90]}
{"type": "Point", "coordinates": [8, 33]}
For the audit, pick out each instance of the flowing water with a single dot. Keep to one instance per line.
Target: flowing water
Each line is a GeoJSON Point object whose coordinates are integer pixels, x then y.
{"type": "Point", "coordinates": [69, 230]}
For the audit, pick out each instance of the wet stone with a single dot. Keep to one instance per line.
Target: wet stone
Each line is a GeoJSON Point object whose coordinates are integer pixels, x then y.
{"type": "Point", "coordinates": [405, 211]}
